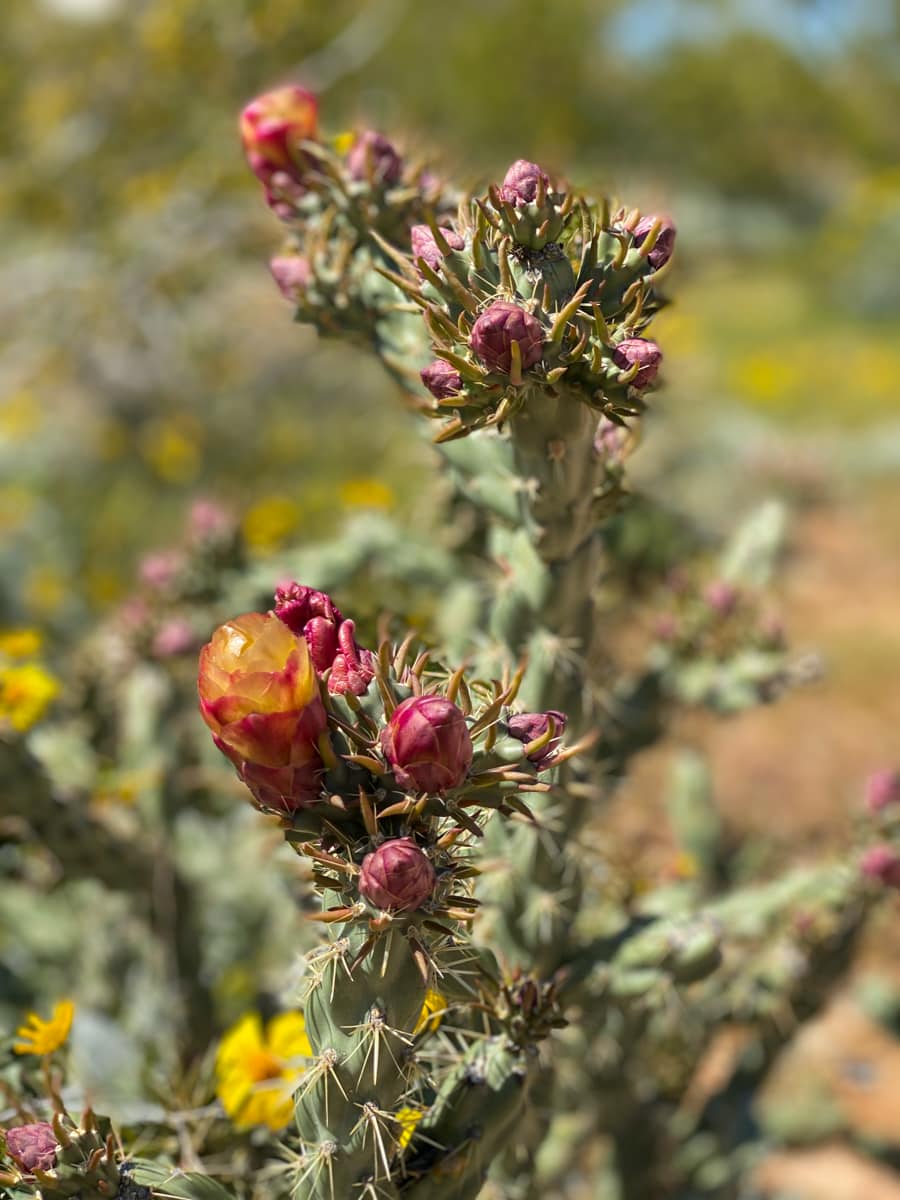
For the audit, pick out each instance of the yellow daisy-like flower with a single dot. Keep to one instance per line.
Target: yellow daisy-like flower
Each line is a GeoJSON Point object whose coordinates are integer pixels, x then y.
{"type": "Point", "coordinates": [19, 643]}
{"type": "Point", "coordinates": [257, 1071]}
{"type": "Point", "coordinates": [434, 1006]}
{"type": "Point", "coordinates": [407, 1119]}
{"type": "Point", "coordinates": [38, 1036]}
{"type": "Point", "coordinates": [25, 693]}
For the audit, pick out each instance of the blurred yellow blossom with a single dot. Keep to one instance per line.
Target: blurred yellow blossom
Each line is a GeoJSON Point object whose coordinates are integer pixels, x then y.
{"type": "Point", "coordinates": [20, 416]}
{"type": "Point", "coordinates": [367, 492]}
{"type": "Point", "coordinates": [172, 450]}
{"type": "Point", "coordinates": [407, 1119]}
{"type": "Point", "coordinates": [19, 643]}
{"type": "Point", "coordinates": [343, 141]}
{"type": "Point", "coordinates": [433, 1008]}
{"type": "Point", "coordinates": [270, 521]}
{"type": "Point", "coordinates": [38, 1036]}
{"type": "Point", "coordinates": [25, 693]}
{"type": "Point", "coordinates": [256, 1070]}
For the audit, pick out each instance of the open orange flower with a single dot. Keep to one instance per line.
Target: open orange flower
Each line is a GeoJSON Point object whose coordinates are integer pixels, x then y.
{"type": "Point", "coordinates": [259, 695]}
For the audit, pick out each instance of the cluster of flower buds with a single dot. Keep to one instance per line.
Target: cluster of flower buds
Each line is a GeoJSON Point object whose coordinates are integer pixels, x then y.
{"type": "Point", "coordinates": [337, 197]}
{"type": "Point", "coordinates": [715, 648]}
{"type": "Point", "coordinates": [530, 288]}
{"type": "Point", "coordinates": [403, 759]}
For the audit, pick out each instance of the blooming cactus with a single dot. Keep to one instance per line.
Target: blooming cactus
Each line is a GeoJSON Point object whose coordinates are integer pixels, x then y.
{"type": "Point", "coordinates": [260, 697]}
{"type": "Point", "coordinates": [398, 876]}
{"type": "Point", "coordinates": [427, 744]}
{"type": "Point", "coordinates": [272, 128]}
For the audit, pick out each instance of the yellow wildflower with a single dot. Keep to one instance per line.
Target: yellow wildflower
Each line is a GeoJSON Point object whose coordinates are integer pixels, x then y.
{"type": "Point", "coordinates": [38, 1036]}
{"type": "Point", "coordinates": [343, 141]}
{"type": "Point", "coordinates": [367, 492]}
{"type": "Point", "coordinates": [270, 521]}
{"type": "Point", "coordinates": [256, 1071]}
{"type": "Point", "coordinates": [407, 1119]}
{"type": "Point", "coordinates": [25, 693]}
{"type": "Point", "coordinates": [434, 1006]}
{"type": "Point", "coordinates": [19, 643]}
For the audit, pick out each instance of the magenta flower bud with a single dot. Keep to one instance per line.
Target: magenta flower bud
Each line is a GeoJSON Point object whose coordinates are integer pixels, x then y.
{"type": "Point", "coordinates": [441, 379]}
{"type": "Point", "coordinates": [330, 638]}
{"type": "Point", "coordinates": [721, 596]}
{"type": "Point", "coordinates": [498, 327]}
{"type": "Point", "coordinates": [427, 744]}
{"type": "Point", "coordinates": [32, 1147]}
{"type": "Point", "coordinates": [397, 877]}
{"type": "Point", "coordinates": [520, 183]}
{"type": "Point", "coordinates": [272, 128]}
{"type": "Point", "coordinates": [882, 790]}
{"type": "Point", "coordinates": [372, 156]}
{"type": "Point", "coordinates": [643, 352]}
{"type": "Point", "coordinates": [609, 441]}
{"type": "Point", "coordinates": [527, 727]}
{"type": "Point", "coordinates": [424, 246]}
{"type": "Point", "coordinates": [665, 241]}
{"type": "Point", "coordinates": [292, 273]}
{"type": "Point", "coordinates": [881, 863]}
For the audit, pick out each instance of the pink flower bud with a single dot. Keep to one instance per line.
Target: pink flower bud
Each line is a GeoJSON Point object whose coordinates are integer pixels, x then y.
{"type": "Point", "coordinates": [427, 744]}
{"type": "Point", "coordinates": [173, 637]}
{"type": "Point", "coordinates": [882, 790]}
{"type": "Point", "coordinates": [609, 441]}
{"type": "Point", "coordinates": [882, 864]}
{"type": "Point", "coordinates": [331, 641]}
{"type": "Point", "coordinates": [160, 569]}
{"type": "Point", "coordinates": [260, 698]}
{"type": "Point", "coordinates": [721, 597]}
{"type": "Point", "coordinates": [665, 241]}
{"type": "Point", "coordinates": [424, 245]}
{"type": "Point", "coordinates": [292, 274]}
{"type": "Point", "coordinates": [272, 128]}
{"type": "Point", "coordinates": [498, 327]}
{"type": "Point", "coordinates": [32, 1147]}
{"type": "Point", "coordinates": [520, 183]}
{"type": "Point", "coordinates": [441, 379]}
{"type": "Point", "coordinates": [639, 350]}
{"type": "Point", "coordinates": [373, 157]}
{"type": "Point", "coordinates": [209, 521]}
{"type": "Point", "coordinates": [397, 877]}
{"type": "Point", "coordinates": [527, 727]}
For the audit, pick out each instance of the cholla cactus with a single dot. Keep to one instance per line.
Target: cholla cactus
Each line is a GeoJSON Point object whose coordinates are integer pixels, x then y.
{"type": "Point", "coordinates": [386, 790]}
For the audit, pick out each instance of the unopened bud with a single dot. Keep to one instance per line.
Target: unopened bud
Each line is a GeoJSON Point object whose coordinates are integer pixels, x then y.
{"type": "Point", "coordinates": [882, 790]}
{"type": "Point", "coordinates": [520, 183]}
{"type": "Point", "coordinates": [331, 641]}
{"type": "Point", "coordinates": [722, 597]}
{"type": "Point", "coordinates": [882, 864]}
{"type": "Point", "coordinates": [441, 379]}
{"type": "Point", "coordinates": [427, 744]}
{"type": "Point", "coordinates": [292, 273]}
{"type": "Point", "coordinates": [425, 246]}
{"type": "Point", "coordinates": [529, 727]}
{"type": "Point", "coordinates": [498, 327]}
{"type": "Point", "coordinates": [32, 1147]}
{"type": "Point", "coordinates": [642, 352]}
{"type": "Point", "coordinates": [397, 877]}
{"type": "Point", "coordinates": [373, 156]}
{"type": "Point", "coordinates": [665, 241]}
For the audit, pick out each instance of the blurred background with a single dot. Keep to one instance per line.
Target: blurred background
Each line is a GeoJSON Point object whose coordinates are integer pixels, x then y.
{"type": "Point", "coordinates": [147, 359]}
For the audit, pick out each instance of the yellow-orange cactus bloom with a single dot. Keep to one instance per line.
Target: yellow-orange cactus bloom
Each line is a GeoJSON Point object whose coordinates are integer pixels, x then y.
{"type": "Point", "coordinates": [259, 695]}
{"type": "Point", "coordinates": [272, 128]}
{"type": "Point", "coordinates": [256, 1070]}
{"type": "Point", "coordinates": [38, 1036]}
